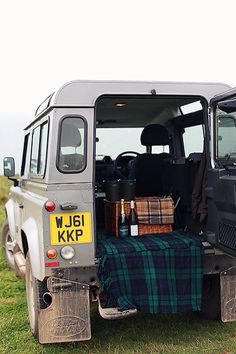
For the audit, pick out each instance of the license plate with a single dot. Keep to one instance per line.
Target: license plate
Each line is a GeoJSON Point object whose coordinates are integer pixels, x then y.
{"type": "Point", "coordinates": [70, 228]}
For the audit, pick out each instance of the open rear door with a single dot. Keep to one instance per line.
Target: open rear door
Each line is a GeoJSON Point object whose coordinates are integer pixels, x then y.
{"type": "Point", "coordinates": [221, 193]}
{"type": "Point", "coordinates": [221, 189]}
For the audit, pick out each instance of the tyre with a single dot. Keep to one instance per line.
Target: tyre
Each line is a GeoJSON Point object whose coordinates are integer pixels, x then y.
{"type": "Point", "coordinates": [34, 294]}
{"type": "Point", "coordinates": [211, 305]}
{"type": "Point", "coordinates": [7, 243]}
{"type": "Point", "coordinates": [32, 298]}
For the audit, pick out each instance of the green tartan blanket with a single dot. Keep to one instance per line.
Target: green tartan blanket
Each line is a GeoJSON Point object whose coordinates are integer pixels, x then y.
{"type": "Point", "coordinates": [153, 273]}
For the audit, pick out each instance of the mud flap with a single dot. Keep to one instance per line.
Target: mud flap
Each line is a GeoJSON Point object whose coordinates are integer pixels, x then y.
{"type": "Point", "coordinates": [228, 294]}
{"type": "Point", "coordinates": [67, 318]}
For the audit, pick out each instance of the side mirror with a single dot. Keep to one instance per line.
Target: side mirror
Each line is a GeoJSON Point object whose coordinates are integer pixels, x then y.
{"type": "Point", "coordinates": [9, 166]}
{"type": "Point", "coordinates": [228, 106]}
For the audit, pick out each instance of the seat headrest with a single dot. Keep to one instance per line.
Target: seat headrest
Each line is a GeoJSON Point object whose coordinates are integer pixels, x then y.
{"type": "Point", "coordinates": [70, 136]}
{"type": "Point", "coordinates": [154, 134]}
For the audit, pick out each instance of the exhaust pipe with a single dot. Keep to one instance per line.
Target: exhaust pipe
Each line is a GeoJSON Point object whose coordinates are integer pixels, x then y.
{"type": "Point", "coordinates": [47, 298]}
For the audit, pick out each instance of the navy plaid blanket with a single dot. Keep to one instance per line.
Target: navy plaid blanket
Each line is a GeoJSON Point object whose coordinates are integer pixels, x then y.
{"type": "Point", "coordinates": [155, 274]}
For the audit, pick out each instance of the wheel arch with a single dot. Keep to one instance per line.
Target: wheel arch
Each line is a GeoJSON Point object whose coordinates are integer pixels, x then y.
{"type": "Point", "coordinates": [10, 215]}
{"type": "Point", "coordinates": [24, 241]}
{"type": "Point", "coordinates": [32, 246]}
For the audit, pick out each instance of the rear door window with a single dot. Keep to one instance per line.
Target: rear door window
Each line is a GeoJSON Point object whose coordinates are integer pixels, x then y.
{"type": "Point", "coordinates": [72, 145]}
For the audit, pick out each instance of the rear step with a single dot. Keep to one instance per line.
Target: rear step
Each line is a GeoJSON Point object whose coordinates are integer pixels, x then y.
{"type": "Point", "coordinates": [113, 313]}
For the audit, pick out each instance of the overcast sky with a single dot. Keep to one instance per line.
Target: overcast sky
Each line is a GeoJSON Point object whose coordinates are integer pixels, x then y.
{"type": "Point", "coordinates": [47, 43]}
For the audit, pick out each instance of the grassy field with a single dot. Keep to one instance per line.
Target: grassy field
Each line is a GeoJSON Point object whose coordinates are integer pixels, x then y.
{"type": "Point", "coordinates": [141, 334]}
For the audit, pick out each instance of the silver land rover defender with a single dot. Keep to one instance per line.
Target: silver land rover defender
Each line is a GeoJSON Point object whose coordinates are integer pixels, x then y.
{"type": "Point", "coordinates": [87, 140]}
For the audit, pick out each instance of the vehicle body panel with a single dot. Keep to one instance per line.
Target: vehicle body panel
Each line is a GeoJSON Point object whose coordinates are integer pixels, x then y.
{"type": "Point", "coordinates": [37, 231]}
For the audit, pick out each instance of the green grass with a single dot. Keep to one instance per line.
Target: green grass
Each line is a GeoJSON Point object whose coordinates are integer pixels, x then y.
{"type": "Point", "coordinates": [179, 334]}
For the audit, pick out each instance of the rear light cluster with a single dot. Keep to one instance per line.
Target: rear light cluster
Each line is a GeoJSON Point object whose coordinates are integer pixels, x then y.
{"type": "Point", "coordinates": [52, 254]}
{"type": "Point", "coordinates": [51, 264]}
{"type": "Point", "coordinates": [50, 206]}
{"type": "Point", "coordinates": [67, 253]}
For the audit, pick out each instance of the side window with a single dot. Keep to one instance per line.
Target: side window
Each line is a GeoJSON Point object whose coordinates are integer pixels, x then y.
{"type": "Point", "coordinates": [25, 154]}
{"type": "Point", "coordinates": [43, 149]}
{"type": "Point", "coordinates": [226, 137]}
{"type": "Point", "coordinates": [193, 139]}
{"type": "Point", "coordinates": [34, 153]}
{"type": "Point", "coordinates": [39, 148]}
{"type": "Point", "coordinates": [71, 151]}
{"type": "Point", "coordinates": [160, 149]}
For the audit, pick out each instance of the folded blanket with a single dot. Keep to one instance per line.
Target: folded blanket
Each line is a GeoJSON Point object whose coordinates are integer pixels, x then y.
{"type": "Point", "coordinates": [155, 274]}
{"type": "Point", "coordinates": [155, 210]}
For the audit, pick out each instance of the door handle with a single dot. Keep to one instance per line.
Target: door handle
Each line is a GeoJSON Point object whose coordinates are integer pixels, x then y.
{"type": "Point", "coordinates": [68, 206]}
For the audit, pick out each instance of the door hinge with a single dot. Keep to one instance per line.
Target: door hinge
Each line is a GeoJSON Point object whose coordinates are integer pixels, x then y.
{"type": "Point", "coordinates": [209, 111]}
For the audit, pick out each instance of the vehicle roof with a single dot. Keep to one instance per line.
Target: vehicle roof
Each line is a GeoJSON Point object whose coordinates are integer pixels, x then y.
{"type": "Point", "coordinates": [81, 93]}
{"type": "Point", "coordinates": [85, 93]}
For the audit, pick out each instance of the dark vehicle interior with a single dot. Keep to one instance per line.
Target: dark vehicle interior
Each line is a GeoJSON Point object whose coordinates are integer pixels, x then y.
{"type": "Point", "coordinates": [156, 141]}
{"type": "Point", "coordinates": [157, 144]}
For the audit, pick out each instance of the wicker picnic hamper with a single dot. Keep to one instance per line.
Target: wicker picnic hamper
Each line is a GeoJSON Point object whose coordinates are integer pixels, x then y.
{"type": "Point", "coordinates": [112, 212]}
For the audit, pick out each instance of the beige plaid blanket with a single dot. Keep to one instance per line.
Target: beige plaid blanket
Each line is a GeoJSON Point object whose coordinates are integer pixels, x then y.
{"type": "Point", "coordinates": [154, 210]}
